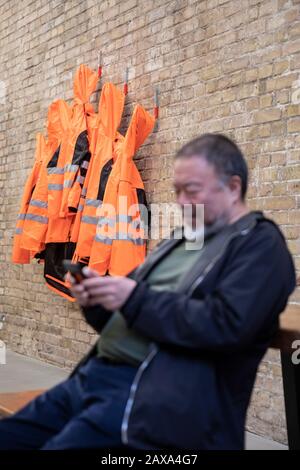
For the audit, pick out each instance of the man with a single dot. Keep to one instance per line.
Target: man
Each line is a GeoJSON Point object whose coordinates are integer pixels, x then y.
{"type": "Point", "coordinates": [182, 335]}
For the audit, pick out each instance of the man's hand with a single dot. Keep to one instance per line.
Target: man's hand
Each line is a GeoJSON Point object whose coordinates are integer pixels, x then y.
{"type": "Point", "coordinates": [109, 291]}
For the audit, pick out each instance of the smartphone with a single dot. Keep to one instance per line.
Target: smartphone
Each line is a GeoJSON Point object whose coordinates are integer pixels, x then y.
{"type": "Point", "coordinates": [75, 269]}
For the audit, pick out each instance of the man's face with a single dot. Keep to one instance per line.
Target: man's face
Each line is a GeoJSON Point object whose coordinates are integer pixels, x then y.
{"type": "Point", "coordinates": [196, 182]}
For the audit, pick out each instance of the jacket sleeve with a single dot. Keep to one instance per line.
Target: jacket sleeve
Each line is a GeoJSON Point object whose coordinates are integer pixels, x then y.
{"type": "Point", "coordinates": [252, 290]}
{"type": "Point", "coordinates": [96, 316]}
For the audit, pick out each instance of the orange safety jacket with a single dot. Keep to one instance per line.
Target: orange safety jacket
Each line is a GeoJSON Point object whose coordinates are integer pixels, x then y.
{"type": "Point", "coordinates": [77, 159]}
{"type": "Point", "coordinates": [92, 129]}
{"type": "Point", "coordinates": [111, 106]}
{"type": "Point", "coordinates": [119, 244]}
{"type": "Point", "coordinates": [65, 181]}
{"type": "Point", "coordinates": [36, 223]}
{"type": "Point", "coordinates": [23, 253]}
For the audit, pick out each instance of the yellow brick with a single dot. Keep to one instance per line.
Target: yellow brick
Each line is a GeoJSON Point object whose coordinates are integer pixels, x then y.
{"type": "Point", "coordinates": [290, 172]}
{"type": "Point", "coordinates": [265, 189]}
{"type": "Point", "coordinates": [283, 96]}
{"type": "Point", "coordinates": [265, 71]}
{"type": "Point", "coordinates": [228, 95]}
{"type": "Point", "coordinates": [278, 159]}
{"type": "Point", "coordinates": [286, 81]}
{"type": "Point", "coordinates": [267, 115]}
{"type": "Point", "coordinates": [267, 8]}
{"type": "Point", "coordinates": [292, 110]}
{"type": "Point", "coordinates": [249, 89]}
{"type": "Point", "coordinates": [294, 188]}
{"type": "Point", "coordinates": [236, 64]}
{"type": "Point", "coordinates": [265, 101]}
{"type": "Point", "coordinates": [210, 72]}
{"type": "Point", "coordinates": [279, 189]}
{"type": "Point", "coordinates": [267, 57]}
{"type": "Point", "coordinates": [281, 67]}
{"type": "Point", "coordinates": [291, 47]}
{"type": "Point", "coordinates": [268, 174]}
{"type": "Point", "coordinates": [294, 30]}
{"type": "Point", "coordinates": [211, 86]}
{"type": "Point", "coordinates": [264, 130]}
{"type": "Point", "coordinates": [294, 248]}
{"type": "Point", "coordinates": [251, 75]}
{"type": "Point", "coordinates": [279, 203]}
{"type": "Point", "coordinates": [278, 128]}
{"type": "Point", "coordinates": [293, 125]}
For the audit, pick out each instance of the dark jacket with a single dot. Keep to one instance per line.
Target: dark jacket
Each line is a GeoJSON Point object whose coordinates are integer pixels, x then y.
{"type": "Point", "coordinates": [208, 338]}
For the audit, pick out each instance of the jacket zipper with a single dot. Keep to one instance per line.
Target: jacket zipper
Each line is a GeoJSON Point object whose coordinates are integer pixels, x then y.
{"type": "Point", "coordinates": [154, 351]}
{"type": "Point", "coordinates": [132, 393]}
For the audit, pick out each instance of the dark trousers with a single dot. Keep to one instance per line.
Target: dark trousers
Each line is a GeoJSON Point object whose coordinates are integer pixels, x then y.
{"type": "Point", "coordinates": [85, 411]}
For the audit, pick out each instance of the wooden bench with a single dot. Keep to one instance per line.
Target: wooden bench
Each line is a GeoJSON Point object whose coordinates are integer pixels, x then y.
{"type": "Point", "coordinates": [288, 333]}
{"type": "Point", "coordinates": [14, 401]}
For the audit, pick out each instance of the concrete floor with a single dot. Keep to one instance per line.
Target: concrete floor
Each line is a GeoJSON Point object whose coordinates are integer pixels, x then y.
{"type": "Point", "coordinates": [23, 373]}
{"type": "Point", "coordinates": [254, 442]}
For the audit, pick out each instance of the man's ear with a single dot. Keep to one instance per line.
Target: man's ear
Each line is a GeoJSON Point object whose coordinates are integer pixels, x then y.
{"type": "Point", "coordinates": [235, 185]}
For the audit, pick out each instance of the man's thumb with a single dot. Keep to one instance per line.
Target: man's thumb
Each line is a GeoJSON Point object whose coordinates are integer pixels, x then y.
{"type": "Point", "coordinates": [88, 272]}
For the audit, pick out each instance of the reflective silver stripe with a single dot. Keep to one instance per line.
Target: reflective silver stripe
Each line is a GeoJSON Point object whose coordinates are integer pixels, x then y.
{"type": "Point", "coordinates": [19, 231]}
{"type": "Point", "coordinates": [119, 218]}
{"type": "Point", "coordinates": [119, 236]}
{"type": "Point", "coordinates": [70, 167]}
{"type": "Point", "coordinates": [37, 218]}
{"type": "Point", "coordinates": [68, 184]}
{"type": "Point", "coordinates": [55, 171]}
{"type": "Point", "coordinates": [132, 393]}
{"type": "Point", "coordinates": [21, 216]}
{"type": "Point", "coordinates": [55, 187]}
{"type": "Point", "coordinates": [37, 203]}
{"type": "Point", "coordinates": [106, 221]}
{"type": "Point", "coordinates": [111, 221]}
{"type": "Point", "coordinates": [84, 191]}
{"type": "Point", "coordinates": [80, 179]}
{"type": "Point", "coordinates": [93, 202]}
{"type": "Point", "coordinates": [102, 239]}
{"type": "Point", "coordinates": [89, 219]}
{"type": "Point", "coordinates": [80, 208]}
{"type": "Point", "coordinates": [85, 164]}
{"type": "Point", "coordinates": [60, 171]}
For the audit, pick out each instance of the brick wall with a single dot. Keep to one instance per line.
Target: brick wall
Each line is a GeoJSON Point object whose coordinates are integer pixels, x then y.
{"type": "Point", "coordinates": [228, 66]}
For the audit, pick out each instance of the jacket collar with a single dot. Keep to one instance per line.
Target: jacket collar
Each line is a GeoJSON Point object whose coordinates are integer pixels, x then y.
{"type": "Point", "coordinates": [215, 247]}
{"type": "Point", "coordinates": [220, 238]}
